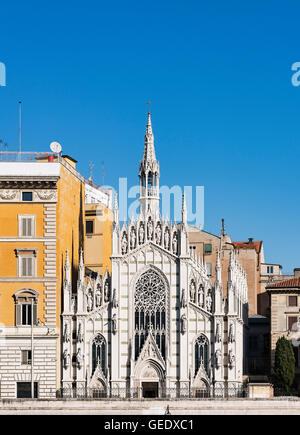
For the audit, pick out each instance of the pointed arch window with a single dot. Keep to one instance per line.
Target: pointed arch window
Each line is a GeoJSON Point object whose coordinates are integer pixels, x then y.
{"type": "Point", "coordinates": [201, 353]}
{"type": "Point", "coordinates": [99, 353]}
{"type": "Point", "coordinates": [150, 311]}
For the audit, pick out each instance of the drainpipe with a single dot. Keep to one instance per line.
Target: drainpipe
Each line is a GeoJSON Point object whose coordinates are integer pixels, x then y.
{"type": "Point", "coordinates": [32, 358]}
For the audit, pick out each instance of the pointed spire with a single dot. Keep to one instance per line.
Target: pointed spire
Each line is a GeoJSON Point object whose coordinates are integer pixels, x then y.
{"type": "Point", "coordinates": [67, 268]}
{"type": "Point", "coordinates": [149, 150]}
{"type": "Point", "coordinates": [223, 231]}
{"type": "Point", "coordinates": [218, 267]}
{"type": "Point", "coordinates": [116, 210]}
{"type": "Point", "coordinates": [81, 267]}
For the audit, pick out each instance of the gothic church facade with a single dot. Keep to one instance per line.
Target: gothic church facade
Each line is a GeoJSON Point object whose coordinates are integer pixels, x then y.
{"type": "Point", "coordinates": [156, 323]}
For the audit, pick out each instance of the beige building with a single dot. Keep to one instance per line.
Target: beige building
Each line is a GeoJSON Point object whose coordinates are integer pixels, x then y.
{"type": "Point", "coordinates": [284, 299]}
{"type": "Point", "coordinates": [250, 255]}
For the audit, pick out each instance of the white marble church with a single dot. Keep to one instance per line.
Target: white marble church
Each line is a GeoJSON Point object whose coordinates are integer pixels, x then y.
{"type": "Point", "coordinates": [157, 323]}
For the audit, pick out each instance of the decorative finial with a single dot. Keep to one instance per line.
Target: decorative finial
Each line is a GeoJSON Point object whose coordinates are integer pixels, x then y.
{"type": "Point", "coordinates": [149, 104]}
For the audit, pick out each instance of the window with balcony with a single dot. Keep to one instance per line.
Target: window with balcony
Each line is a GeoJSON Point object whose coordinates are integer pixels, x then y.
{"type": "Point", "coordinates": [26, 308]}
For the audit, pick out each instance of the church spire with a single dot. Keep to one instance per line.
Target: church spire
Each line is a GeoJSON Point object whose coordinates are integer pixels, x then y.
{"type": "Point", "coordinates": [149, 174]}
{"type": "Point", "coordinates": [149, 150]}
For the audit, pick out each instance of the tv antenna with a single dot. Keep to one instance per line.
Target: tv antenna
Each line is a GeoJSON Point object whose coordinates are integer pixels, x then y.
{"type": "Point", "coordinates": [55, 147]}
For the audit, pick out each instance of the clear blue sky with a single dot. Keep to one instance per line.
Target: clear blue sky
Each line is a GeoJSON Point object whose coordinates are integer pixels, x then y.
{"type": "Point", "coordinates": [225, 114]}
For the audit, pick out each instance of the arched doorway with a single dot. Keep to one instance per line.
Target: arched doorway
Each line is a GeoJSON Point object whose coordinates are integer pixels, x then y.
{"type": "Point", "coordinates": [151, 379]}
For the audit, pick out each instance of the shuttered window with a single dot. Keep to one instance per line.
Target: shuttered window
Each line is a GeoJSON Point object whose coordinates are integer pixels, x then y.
{"type": "Point", "coordinates": [26, 313]}
{"type": "Point", "coordinates": [26, 226]}
{"type": "Point", "coordinates": [26, 357]}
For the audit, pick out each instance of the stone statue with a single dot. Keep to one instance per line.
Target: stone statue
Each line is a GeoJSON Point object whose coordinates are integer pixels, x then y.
{"type": "Point", "coordinates": [66, 359]}
{"type": "Point", "coordinates": [106, 291]}
{"type": "Point", "coordinates": [218, 334]}
{"type": "Point", "coordinates": [208, 302]}
{"type": "Point", "coordinates": [124, 244]}
{"type": "Point", "coordinates": [231, 334]}
{"type": "Point", "coordinates": [183, 299]}
{"type": "Point", "coordinates": [114, 299]}
{"type": "Point", "coordinates": [150, 229]}
{"type": "Point", "coordinates": [201, 297]}
{"type": "Point", "coordinates": [114, 324]}
{"type": "Point", "coordinates": [167, 239]}
{"type": "Point", "coordinates": [192, 291]}
{"type": "Point", "coordinates": [174, 243]}
{"type": "Point", "coordinates": [79, 359]}
{"type": "Point", "coordinates": [141, 234]}
{"type": "Point", "coordinates": [132, 239]}
{"type": "Point", "coordinates": [90, 301]}
{"type": "Point", "coordinates": [183, 324]}
{"type": "Point", "coordinates": [98, 296]}
{"type": "Point", "coordinates": [218, 359]}
{"type": "Point", "coordinates": [66, 336]}
{"type": "Point", "coordinates": [231, 359]}
{"type": "Point", "coordinates": [158, 234]}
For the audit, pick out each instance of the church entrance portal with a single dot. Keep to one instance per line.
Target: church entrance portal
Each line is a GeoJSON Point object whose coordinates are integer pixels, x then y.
{"type": "Point", "coordinates": [150, 389]}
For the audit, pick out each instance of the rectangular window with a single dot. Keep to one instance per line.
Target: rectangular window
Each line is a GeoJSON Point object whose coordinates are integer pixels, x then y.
{"type": "Point", "coordinates": [24, 390]}
{"type": "Point", "coordinates": [293, 301]}
{"type": "Point", "coordinates": [26, 226]}
{"type": "Point", "coordinates": [270, 269]}
{"type": "Point", "coordinates": [208, 248]}
{"type": "Point", "coordinates": [26, 196]}
{"type": "Point", "coordinates": [26, 357]}
{"type": "Point", "coordinates": [292, 323]}
{"type": "Point", "coordinates": [208, 269]}
{"type": "Point", "coordinates": [25, 313]}
{"type": "Point", "coordinates": [89, 227]}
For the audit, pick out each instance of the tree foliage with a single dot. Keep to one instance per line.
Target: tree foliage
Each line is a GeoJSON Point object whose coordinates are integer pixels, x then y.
{"type": "Point", "coordinates": [284, 369]}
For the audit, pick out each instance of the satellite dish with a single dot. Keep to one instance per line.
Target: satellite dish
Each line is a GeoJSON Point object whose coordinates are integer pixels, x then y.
{"type": "Point", "coordinates": [55, 147]}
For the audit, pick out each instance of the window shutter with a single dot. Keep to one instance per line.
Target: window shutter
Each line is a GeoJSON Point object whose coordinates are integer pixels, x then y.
{"type": "Point", "coordinates": [23, 266]}
{"type": "Point", "coordinates": [29, 266]}
{"type": "Point", "coordinates": [18, 314]}
{"type": "Point", "coordinates": [23, 226]}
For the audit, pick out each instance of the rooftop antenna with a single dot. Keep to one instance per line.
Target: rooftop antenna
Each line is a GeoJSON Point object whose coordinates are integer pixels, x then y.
{"type": "Point", "coordinates": [103, 173]}
{"type": "Point", "coordinates": [91, 168]}
{"type": "Point", "coordinates": [20, 126]}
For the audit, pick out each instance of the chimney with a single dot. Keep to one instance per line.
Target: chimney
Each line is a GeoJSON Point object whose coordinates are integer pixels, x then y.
{"type": "Point", "coordinates": [250, 241]}
{"type": "Point", "coordinates": [297, 272]}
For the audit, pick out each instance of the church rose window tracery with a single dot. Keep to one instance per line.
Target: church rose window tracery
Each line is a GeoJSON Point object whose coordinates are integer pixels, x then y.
{"type": "Point", "coordinates": [150, 311]}
{"type": "Point", "coordinates": [99, 353]}
{"type": "Point", "coordinates": [201, 353]}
